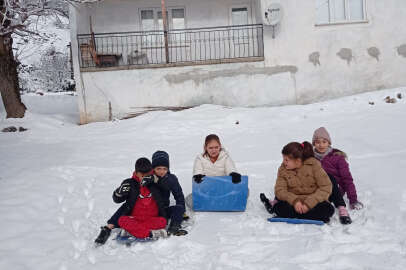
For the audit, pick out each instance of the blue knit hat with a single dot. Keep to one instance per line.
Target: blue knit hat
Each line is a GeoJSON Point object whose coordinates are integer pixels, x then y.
{"type": "Point", "coordinates": [160, 158]}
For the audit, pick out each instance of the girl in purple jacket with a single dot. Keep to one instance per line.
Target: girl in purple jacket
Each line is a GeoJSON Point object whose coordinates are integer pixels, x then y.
{"type": "Point", "coordinates": [335, 164]}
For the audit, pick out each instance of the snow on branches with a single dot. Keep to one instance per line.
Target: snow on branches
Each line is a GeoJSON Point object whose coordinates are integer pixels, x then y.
{"type": "Point", "coordinates": [15, 15]}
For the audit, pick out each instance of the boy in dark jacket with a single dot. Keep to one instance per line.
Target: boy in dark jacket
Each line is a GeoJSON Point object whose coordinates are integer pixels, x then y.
{"type": "Point", "coordinates": [143, 212]}
{"type": "Point", "coordinates": [168, 183]}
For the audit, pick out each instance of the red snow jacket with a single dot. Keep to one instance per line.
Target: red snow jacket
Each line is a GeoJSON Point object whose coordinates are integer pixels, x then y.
{"type": "Point", "coordinates": [150, 194]}
{"type": "Point", "coordinates": [145, 206]}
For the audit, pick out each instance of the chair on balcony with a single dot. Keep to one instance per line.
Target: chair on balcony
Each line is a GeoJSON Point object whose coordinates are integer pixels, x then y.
{"type": "Point", "coordinates": [137, 58]}
{"type": "Point", "coordinates": [91, 57]}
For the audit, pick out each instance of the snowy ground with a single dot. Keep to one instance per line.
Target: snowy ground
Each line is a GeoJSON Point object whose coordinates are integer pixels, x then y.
{"type": "Point", "coordinates": [56, 181]}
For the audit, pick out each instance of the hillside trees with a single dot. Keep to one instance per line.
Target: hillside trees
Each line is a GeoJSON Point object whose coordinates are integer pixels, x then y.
{"type": "Point", "coordinates": [15, 19]}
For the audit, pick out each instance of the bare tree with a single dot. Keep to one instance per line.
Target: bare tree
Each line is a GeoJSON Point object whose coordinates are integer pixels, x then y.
{"type": "Point", "coordinates": [15, 18]}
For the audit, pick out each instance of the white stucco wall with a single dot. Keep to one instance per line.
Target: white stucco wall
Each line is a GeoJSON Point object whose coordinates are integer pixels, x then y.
{"type": "Point", "coordinates": [287, 76]}
{"type": "Point", "coordinates": [299, 37]}
{"type": "Point", "coordinates": [239, 84]}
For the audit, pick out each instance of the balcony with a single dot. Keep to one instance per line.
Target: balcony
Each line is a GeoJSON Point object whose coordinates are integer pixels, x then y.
{"type": "Point", "coordinates": [147, 49]}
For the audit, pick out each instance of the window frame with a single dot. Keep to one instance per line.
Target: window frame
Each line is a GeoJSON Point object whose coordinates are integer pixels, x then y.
{"type": "Point", "coordinates": [245, 5]}
{"type": "Point", "coordinates": [347, 14]}
{"type": "Point", "coordinates": [155, 11]}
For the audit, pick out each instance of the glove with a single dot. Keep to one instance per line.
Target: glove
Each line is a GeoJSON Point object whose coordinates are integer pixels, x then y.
{"type": "Point", "coordinates": [236, 177]}
{"type": "Point", "coordinates": [148, 180]}
{"type": "Point", "coordinates": [198, 178]}
{"type": "Point", "coordinates": [356, 206]}
{"type": "Point", "coordinates": [123, 190]}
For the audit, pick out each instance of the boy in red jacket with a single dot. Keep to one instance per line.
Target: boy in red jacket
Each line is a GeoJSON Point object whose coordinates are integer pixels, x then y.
{"type": "Point", "coordinates": [143, 213]}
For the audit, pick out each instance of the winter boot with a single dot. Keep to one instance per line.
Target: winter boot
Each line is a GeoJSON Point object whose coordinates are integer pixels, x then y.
{"type": "Point", "coordinates": [267, 204]}
{"type": "Point", "coordinates": [175, 229]}
{"type": "Point", "coordinates": [344, 216]}
{"type": "Point", "coordinates": [155, 234]}
{"type": "Point", "coordinates": [185, 217]}
{"type": "Point", "coordinates": [103, 235]}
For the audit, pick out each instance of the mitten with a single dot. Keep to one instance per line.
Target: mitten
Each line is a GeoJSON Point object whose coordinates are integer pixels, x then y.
{"type": "Point", "coordinates": [123, 190]}
{"type": "Point", "coordinates": [148, 180]}
{"type": "Point", "coordinates": [198, 178]}
{"type": "Point", "coordinates": [236, 177]}
{"type": "Point", "coordinates": [356, 206]}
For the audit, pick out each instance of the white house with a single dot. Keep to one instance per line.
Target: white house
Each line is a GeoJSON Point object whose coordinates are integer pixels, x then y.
{"type": "Point", "coordinates": [225, 52]}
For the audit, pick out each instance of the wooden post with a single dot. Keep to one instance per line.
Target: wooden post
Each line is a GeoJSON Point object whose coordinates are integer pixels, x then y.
{"type": "Point", "coordinates": [92, 47]}
{"type": "Point", "coordinates": [165, 30]}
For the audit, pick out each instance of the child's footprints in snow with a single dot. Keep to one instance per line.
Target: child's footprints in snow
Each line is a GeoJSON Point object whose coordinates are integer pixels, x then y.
{"type": "Point", "coordinates": [61, 220]}
{"type": "Point", "coordinates": [89, 185]}
{"type": "Point", "coordinates": [90, 205]}
{"type": "Point", "coordinates": [71, 189]}
{"type": "Point", "coordinates": [91, 258]}
{"type": "Point", "coordinates": [79, 245]}
{"type": "Point", "coordinates": [403, 202]}
{"type": "Point", "coordinates": [76, 255]}
{"type": "Point", "coordinates": [76, 225]}
{"type": "Point", "coordinates": [60, 199]}
{"type": "Point", "coordinates": [86, 192]}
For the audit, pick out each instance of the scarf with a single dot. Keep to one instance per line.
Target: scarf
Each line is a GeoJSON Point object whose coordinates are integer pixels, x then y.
{"type": "Point", "coordinates": [144, 191]}
{"type": "Point", "coordinates": [320, 156]}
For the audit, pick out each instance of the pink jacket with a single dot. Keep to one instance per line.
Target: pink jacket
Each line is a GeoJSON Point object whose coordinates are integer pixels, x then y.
{"type": "Point", "coordinates": [335, 164]}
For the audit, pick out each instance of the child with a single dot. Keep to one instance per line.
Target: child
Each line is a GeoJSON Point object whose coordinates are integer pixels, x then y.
{"type": "Point", "coordinates": [168, 183]}
{"type": "Point", "coordinates": [335, 164]}
{"type": "Point", "coordinates": [143, 213]}
{"type": "Point", "coordinates": [215, 161]}
{"type": "Point", "coordinates": [302, 187]}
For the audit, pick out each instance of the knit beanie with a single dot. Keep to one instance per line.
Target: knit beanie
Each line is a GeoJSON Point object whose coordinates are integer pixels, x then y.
{"type": "Point", "coordinates": [160, 158]}
{"type": "Point", "coordinates": [143, 165]}
{"type": "Point", "coordinates": [321, 133]}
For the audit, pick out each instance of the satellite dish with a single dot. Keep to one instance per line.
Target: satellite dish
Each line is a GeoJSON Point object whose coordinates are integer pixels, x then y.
{"type": "Point", "coordinates": [273, 14]}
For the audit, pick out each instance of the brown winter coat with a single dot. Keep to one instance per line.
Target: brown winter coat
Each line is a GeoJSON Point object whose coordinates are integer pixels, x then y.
{"type": "Point", "coordinates": [310, 184]}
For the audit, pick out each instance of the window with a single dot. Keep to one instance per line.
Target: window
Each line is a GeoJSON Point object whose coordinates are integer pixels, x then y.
{"type": "Point", "coordinates": [178, 18]}
{"type": "Point", "coordinates": [239, 16]}
{"type": "Point", "coordinates": [160, 21]}
{"type": "Point", "coordinates": [339, 11]}
{"type": "Point", "coordinates": [151, 19]}
{"type": "Point", "coordinates": [147, 20]}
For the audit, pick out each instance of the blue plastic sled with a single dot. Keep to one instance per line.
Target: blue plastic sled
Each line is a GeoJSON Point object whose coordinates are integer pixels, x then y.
{"type": "Point", "coordinates": [296, 221]}
{"type": "Point", "coordinates": [124, 238]}
{"type": "Point", "coordinates": [128, 240]}
{"type": "Point", "coordinates": [220, 194]}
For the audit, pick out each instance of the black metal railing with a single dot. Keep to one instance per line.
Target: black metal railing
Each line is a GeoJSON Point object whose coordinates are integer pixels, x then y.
{"type": "Point", "coordinates": [188, 46]}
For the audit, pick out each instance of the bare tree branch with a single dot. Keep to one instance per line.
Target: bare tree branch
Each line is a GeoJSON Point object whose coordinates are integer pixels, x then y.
{"type": "Point", "coordinates": [15, 15]}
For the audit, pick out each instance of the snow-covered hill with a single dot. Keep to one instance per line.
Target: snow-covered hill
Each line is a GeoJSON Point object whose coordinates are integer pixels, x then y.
{"type": "Point", "coordinates": [56, 181]}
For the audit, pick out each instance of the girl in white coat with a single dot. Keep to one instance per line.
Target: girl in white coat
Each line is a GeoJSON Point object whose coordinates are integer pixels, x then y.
{"type": "Point", "coordinates": [215, 161]}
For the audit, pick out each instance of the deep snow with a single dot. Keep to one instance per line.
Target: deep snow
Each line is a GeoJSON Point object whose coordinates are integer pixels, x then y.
{"type": "Point", "coordinates": [56, 181]}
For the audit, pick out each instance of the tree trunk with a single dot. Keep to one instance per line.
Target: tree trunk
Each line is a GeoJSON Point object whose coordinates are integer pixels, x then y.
{"type": "Point", "coordinates": [9, 87]}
